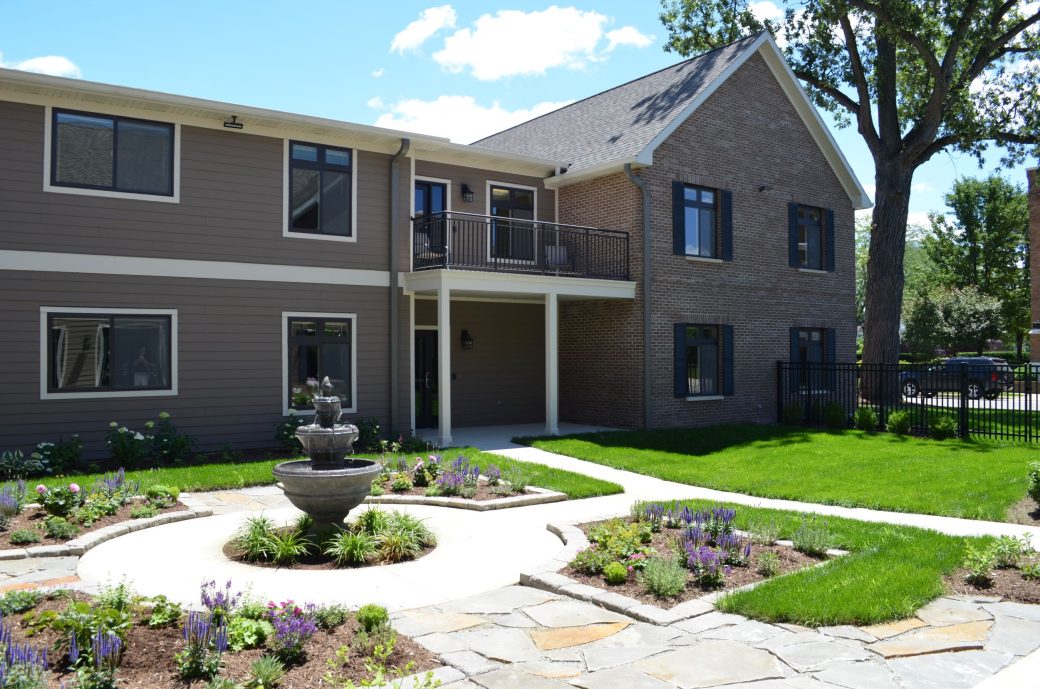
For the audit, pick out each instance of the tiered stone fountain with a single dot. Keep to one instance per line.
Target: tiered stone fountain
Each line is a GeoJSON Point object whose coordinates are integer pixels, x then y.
{"type": "Point", "coordinates": [328, 485]}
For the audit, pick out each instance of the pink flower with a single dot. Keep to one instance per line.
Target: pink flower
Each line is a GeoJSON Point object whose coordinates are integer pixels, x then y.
{"type": "Point", "coordinates": [74, 487]}
{"type": "Point", "coordinates": [41, 489]}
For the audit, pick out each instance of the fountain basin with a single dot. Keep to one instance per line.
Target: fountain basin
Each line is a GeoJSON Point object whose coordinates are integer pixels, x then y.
{"type": "Point", "coordinates": [327, 495]}
{"type": "Point", "coordinates": [327, 446]}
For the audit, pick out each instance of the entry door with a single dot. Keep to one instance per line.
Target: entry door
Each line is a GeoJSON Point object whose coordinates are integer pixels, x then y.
{"type": "Point", "coordinates": [430, 204]}
{"type": "Point", "coordinates": [426, 379]}
{"type": "Point", "coordinates": [512, 240]}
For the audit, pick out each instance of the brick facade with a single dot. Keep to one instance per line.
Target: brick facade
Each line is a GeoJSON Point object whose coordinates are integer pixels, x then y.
{"type": "Point", "coordinates": [1033, 175]}
{"type": "Point", "coordinates": [746, 138]}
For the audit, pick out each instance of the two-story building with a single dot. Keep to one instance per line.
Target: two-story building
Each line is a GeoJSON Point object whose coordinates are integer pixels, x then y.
{"type": "Point", "coordinates": [642, 257]}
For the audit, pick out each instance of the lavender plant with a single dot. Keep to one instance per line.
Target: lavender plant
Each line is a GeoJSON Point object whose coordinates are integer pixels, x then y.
{"type": "Point", "coordinates": [293, 627]}
{"type": "Point", "coordinates": [707, 566]}
{"type": "Point", "coordinates": [493, 474]}
{"type": "Point", "coordinates": [100, 671]}
{"type": "Point", "coordinates": [220, 602]}
{"type": "Point", "coordinates": [654, 514]}
{"type": "Point", "coordinates": [21, 666]}
{"type": "Point", "coordinates": [206, 639]}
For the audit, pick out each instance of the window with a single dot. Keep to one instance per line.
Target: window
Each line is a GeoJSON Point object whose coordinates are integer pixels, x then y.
{"type": "Point", "coordinates": [96, 353]}
{"type": "Point", "coordinates": [811, 237]}
{"type": "Point", "coordinates": [320, 190]}
{"type": "Point", "coordinates": [703, 360]}
{"type": "Point", "coordinates": [316, 347]}
{"type": "Point", "coordinates": [431, 199]}
{"type": "Point", "coordinates": [511, 240]}
{"type": "Point", "coordinates": [702, 222]}
{"type": "Point", "coordinates": [114, 154]}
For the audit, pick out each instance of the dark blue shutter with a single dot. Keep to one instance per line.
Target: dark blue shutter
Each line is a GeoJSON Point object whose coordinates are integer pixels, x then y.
{"type": "Point", "coordinates": [727, 225]}
{"type": "Point", "coordinates": [792, 235]}
{"type": "Point", "coordinates": [679, 219]}
{"type": "Point", "coordinates": [828, 242]}
{"type": "Point", "coordinates": [680, 360]}
{"type": "Point", "coordinates": [831, 344]}
{"type": "Point", "coordinates": [794, 346]}
{"type": "Point", "coordinates": [727, 360]}
{"type": "Point", "coordinates": [794, 372]}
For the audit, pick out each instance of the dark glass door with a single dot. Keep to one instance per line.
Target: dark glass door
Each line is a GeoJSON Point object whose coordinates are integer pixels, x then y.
{"type": "Point", "coordinates": [512, 240]}
{"type": "Point", "coordinates": [430, 203]}
{"type": "Point", "coordinates": [426, 379]}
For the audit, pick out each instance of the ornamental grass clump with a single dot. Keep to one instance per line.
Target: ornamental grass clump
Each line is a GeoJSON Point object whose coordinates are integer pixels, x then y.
{"type": "Point", "coordinates": [349, 548]}
{"type": "Point", "coordinates": [812, 538]}
{"type": "Point", "coordinates": [206, 639]}
{"type": "Point", "coordinates": [293, 627]}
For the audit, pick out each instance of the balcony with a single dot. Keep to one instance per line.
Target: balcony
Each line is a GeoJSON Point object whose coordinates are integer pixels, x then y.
{"type": "Point", "coordinates": [465, 241]}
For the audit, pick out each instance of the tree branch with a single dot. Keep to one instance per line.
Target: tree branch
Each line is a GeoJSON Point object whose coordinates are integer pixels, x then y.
{"type": "Point", "coordinates": [950, 139]}
{"type": "Point", "coordinates": [991, 52]}
{"type": "Point", "coordinates": [923, 49]}
{"type": "Point", "coordinates": [842, 99]}
{"type": "Point", "coordinates": [864, 114]}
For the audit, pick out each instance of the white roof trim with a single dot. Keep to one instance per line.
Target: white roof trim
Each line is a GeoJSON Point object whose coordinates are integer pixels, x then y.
{"type": "Point", "coordinates": [604, 168]}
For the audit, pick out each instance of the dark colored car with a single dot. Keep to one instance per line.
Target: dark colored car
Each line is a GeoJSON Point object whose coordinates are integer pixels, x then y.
{"type": "Point", "coordinates": [986, 376]}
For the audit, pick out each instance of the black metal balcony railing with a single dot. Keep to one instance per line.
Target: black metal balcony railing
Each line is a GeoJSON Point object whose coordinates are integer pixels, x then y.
{"type": "Point", "coordinates": [466, 241]}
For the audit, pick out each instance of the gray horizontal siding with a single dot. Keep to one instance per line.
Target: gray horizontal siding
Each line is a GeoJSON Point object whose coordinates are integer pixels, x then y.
{"type": "Point", "coordinates": [230, 354]}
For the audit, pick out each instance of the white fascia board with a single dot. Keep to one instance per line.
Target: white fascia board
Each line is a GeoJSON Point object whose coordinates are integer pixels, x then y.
{"type": "Point", "coordinates": [604, 168]}
{"type": "Point", "coordinates": [515, 283]}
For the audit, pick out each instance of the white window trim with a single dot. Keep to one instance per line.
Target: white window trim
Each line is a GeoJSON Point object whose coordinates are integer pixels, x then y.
{"type": "Point", "coordinates": [45, 394]}
{"type": "Point", "coordinates": [48, 120]}
{"type": "Point", "coordinates": [352, 317]}
{"type": "Point", "coordinates": [705, 398]}
{"type": "Point", "coordinates": [411, 211]}
{"type": "Point", "coordinates": [286, 232]}
{"type": "Point", "coordinates": [534, 214]}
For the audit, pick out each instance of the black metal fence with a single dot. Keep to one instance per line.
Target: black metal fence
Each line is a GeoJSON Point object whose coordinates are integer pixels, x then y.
{"type": "Point", "coordinates": [985, 401]}
{"type": "Point", "coordinates": [480, 242]}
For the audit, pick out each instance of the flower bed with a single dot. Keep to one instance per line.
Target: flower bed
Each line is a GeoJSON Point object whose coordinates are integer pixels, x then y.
{"type": "Point", "coordinates": [1007, 567]}
{"type": "Point", "coordinates": [121, 639]}
{"type": "Point", "coordinates": [666, 555]}
{"type": "Point", "coordinates": [431, 477]}
{"type": "Point", "coordinates": [375, 537]}
{"type": "Point", "coordinates": [65, 512]}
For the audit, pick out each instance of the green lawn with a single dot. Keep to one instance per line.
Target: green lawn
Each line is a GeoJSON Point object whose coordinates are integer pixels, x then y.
{"type": "Point", "coordinates": [976, 480]}
{"type": "Point", "coordinates": [889, 573]}
{"type": "Point", "coordinates": [205, 477]}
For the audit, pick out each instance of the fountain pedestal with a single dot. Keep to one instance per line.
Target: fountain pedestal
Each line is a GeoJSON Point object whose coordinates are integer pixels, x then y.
{"type": "Point", "coordinates": [328, 485]}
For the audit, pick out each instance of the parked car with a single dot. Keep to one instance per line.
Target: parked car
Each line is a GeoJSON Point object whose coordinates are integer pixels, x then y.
{"type": "Point", "coordinates": [986, 377]}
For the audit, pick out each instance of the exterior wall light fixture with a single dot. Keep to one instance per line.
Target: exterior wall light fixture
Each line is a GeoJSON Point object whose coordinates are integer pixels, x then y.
{"type": "Point", "coordinates": [467, 193]}
{"type": "Point", "coordinates": [233, 123]}
{"type": "Point", "coordinates": [466, 340]}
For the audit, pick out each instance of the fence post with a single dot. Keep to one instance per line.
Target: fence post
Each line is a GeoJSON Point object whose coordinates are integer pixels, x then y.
{"type": "Point", "coordinates": [779, 391]}
{"type": "Point", "coordinates": [963, 411]}
{"type": "Point", "coordinates": [1029, 402]}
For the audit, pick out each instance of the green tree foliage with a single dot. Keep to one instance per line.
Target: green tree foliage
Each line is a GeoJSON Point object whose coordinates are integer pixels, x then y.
{"type": "Point", "coordinates": [985, 245]}
{"type": "Point", "coordinates": [948, 317]}
{"type": "Point", "coordinates": [915, 77]}
{"type": "Point", "coordinates": [917, 267]}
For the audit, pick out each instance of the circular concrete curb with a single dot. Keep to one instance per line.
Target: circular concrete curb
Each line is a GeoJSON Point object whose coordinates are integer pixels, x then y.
{"type": "Point", "coordinates": [535, 496]}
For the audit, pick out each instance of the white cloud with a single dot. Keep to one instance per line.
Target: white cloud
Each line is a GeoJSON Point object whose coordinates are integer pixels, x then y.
{"type": "Point", "coordinates": [430, 21]}
{"type": "Point", "coordinates": [764, 10]}
{"type": "Point", "coordinates": [376, 103]}
{"type": "Point", "coordinates": [376, 73]}
{"type": "Point", "coordinates": [459, 118]}
{"type": "Point", "coordinates": [55, 65]}
{"type": "Point", "coordinates": [923, 187]}
{"type": "Point", "coordinates": [511, 42]}
{"type": "Point", "coordinates": [627, 35]}
{"type": "Point", "coordinates": [919, 219]}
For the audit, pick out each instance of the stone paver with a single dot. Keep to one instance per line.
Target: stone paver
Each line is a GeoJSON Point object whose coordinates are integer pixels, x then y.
{"type": "Point", "coordinates": [887, 629]}
{"type": "Point", "coordinates": [597, 659]}
{"type": "Point", "coordinates": [419, 623]}
{"type": "Point", "coordinates": [552, 669]}
{"type": "Point", "coordinates": [497, 643]}
{"type": "Point", "coordinates": [959, 637]}
{"type": "Point", "coordinates": [513, 679]}
{"type": "Point", "coordinates": [1014, 635]}
{"type": "Point", "coordinates": [946, 611]}
{"type": "Point", "coordinates": [620, 678]}
{"type": "Point", "coordinates": [500, 601]}
{"type": "Point", "coordinates": [859, 675]}
{"type": "Point", "coordinates": [551, 639]}
{"type": "Point", "coordinates": [1020, 610]}
{"type": "Point", "coordinates": [847, 631]}
{"type": "Point", "coordinates": [948, 670]}
{"type": "Point", "coordinates": [571, 613]}
{"type": "Point", "coordinates": [711, 663]}
{"type": "Point", "coordinates": [703, 623]}
{"type": "Point", "coordinates": [751, 632]}
{"type": "Point", "coordinates": [816, 655]}
{"type": "Point", "coordinates": [469, 662]}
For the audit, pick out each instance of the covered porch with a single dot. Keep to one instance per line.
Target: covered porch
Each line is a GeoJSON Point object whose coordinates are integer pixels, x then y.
{"type": "Point", "coordinates": [486, 348]}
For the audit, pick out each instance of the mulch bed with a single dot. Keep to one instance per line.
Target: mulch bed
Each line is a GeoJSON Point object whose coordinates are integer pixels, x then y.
{"type": "Point", "coordinates": [1025, 512]}
{"type": "Point", "coordinates": [313, 561]}
{"type": "Point", "coordinates": [33, 518]}
{"type": "Point", "coordinates": [148, 660]}
{"type": "Point", "coordinates": [791, 560]}
{"type": "Point", "coordinates": [484, 492]}
{"type": "Point", "coordinates": [1006, 583]}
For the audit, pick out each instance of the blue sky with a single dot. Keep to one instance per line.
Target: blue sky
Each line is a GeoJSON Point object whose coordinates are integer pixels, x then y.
{"type": "Point", "coordinates": [463, 69]}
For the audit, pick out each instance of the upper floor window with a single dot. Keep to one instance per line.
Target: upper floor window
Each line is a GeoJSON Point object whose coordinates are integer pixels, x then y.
{"type": "Point", "coordinates": [702, 222]}
{"type": "Point", "coordinates": [811, 238]}
{"type": "Point", "coordinates": [114, 154]}
{"type": "Point", "coordinates": [321, 189]}
{"type": "Point", "coordinates": [96, 353]}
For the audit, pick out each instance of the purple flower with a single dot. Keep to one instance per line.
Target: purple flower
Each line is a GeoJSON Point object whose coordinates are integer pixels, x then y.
{"type": "Point", "coordinates": [41, 489]}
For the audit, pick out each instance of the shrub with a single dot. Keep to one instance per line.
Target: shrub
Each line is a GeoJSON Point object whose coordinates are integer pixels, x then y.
{"type": "Point", "coordinates": [60, 456]}
{"type": "Point", "coordinates": [943, 428]}
{"type": "Point", "coordinates": [265, 673]}
{"type": "Point", "coordinates": [866, 419]}
{"type": "Point", "coordinates": [792, 415]}
{"type": "Point", "coordinates": [615, 573]}
{"type": "Point", "coordinates": [168, 444]}
{"type": "Point", "coordinates": [516, 478]}
{"type": "Point", "coordinates": [15, 465]}
{"type": "Point", "coordinates": [161, 496]}
{"type": "Point", "coordinates": [400, 483]}
{"type": "Point", "coordinates": [834, 416]}
{"type": "Point", "coordinates": [812, 538]}
{"type": "Point", "coordinates": [164, 612]}
{"type": "Point", "coordinates": [1031, 571]}
{"type": "Point", "coordinates": [252, 609]}
{"type": "Point", "coordinates": [663, 577]}
{"type": "Point", "coordinates": [285, 431]}
{"type": "Point", "coordinates": [376, 490]}
{"type": "Point", "coordinates": [590, 561]}
{"type": "Point", "coordinates": [293, 626]}
{"type": "Point", "coordinates": [145, 511]}
{"type": "Point", "coordinates": [368, 435]}
{"type": "Point", "coordinates": [1033, 477]}
{"type": "Point", "coordinates": [328, 617]}
{"type": "Point", "coordinates": [372, 618]}
{"type": "Point", "coordinates": [14, 602]}
{"type": "Point", "coordinates": [1008, 551]}
{"type": "Point", "coordinates": [120, 597]}
{"type": "Point", "coordinates": [768, 564]}
{"type": "Point", "coordinates": [979, 561]}
{"type": "Point", "coordinates": [206, 639]}
{"type": "Point", "coordinates": [128, 448]}
{"type": "Point", "coordinates": [60, 501]}
{"type": "Point", "coordinates": [351, 549]}
{"type": "Point", "coordinates": [244, 633]}
{"type": "Point", "coordinates": [899, 423]}
{"type": "Point", "coordinates": [58, 528]}
{"type": "Point", "coordinates": [24, 537]}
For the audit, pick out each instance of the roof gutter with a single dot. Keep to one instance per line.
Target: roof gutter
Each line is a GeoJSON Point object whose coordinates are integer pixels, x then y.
{"type": "Point", "coordinates": [647, 387]}
{"type": "Point", "coordinates": [395, 164]}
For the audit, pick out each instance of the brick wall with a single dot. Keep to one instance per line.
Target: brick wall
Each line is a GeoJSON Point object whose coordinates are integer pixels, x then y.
{"type": "Point", "coordinates": [746, 136]}
{"type": "Point", "coordinates": [1033, 176]}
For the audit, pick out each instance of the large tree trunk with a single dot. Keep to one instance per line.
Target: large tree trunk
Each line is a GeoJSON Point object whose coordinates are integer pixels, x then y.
{"type": "Point", "coordinates": [884, 285]}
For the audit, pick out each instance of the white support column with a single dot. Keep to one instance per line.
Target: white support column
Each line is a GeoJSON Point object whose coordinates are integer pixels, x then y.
{"type": "Point", "coordinates": [444, 366]}
{"type": "Point", "coordinates": [552, 364]}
